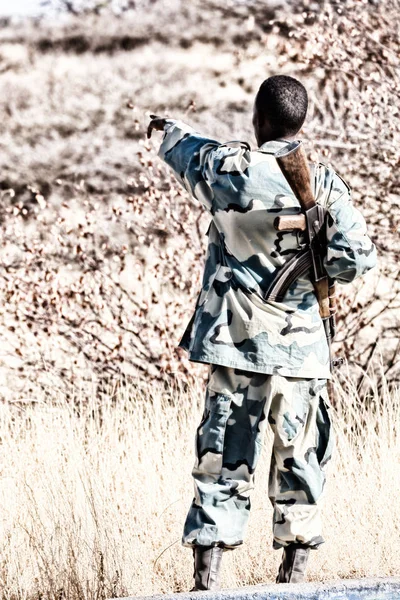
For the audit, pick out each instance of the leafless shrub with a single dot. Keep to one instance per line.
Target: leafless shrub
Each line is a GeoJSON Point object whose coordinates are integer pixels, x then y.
{"type": "Point", "coordinates": [354, 49]}
{"type": "Point", "coordinates": [102, 251]}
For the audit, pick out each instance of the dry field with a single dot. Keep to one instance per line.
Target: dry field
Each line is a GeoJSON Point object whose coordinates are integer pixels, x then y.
{"type": "Point", "coordinates": [94, 497]}
{"type": "Point", "coordinates": [100, 262]}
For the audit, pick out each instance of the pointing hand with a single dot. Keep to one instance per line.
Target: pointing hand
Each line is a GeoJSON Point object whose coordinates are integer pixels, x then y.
{"type": "Point", "coordinates": [157, 123]}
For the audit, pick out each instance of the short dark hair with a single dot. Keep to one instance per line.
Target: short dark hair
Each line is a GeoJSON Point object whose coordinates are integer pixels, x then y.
{"type": "Point", "coordinates": [283, 102]}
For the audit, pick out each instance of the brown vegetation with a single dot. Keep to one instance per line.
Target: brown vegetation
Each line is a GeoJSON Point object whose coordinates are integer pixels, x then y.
{"type": "Point", "coordinates": [100, 264]}
{"type": "Point", "coordinates": [102, 251]}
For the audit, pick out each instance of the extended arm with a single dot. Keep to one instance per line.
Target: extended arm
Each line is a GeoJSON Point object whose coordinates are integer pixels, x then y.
{"type": "Point", "coordinates": [189, 154]}
{"type": "Point", "coordinates": [201, 163]}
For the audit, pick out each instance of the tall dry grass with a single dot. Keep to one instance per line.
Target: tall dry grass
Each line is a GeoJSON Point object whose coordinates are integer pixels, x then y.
{"type": "Point", "coordinates": [93, 496]}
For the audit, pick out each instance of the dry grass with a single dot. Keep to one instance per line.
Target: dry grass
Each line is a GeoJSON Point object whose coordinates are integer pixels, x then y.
{"type": "Point", "coordinates": [94, 497]}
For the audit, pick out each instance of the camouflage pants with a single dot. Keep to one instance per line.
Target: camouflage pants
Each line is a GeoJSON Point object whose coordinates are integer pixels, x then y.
{"type": "Point", "coordinates": [238, 405]}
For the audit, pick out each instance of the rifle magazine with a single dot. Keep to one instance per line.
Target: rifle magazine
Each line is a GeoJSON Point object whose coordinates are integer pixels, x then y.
{"type": "Point", "coordinates": [296, 267]}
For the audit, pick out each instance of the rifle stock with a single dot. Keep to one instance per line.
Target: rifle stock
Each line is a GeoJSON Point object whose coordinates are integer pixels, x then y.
{"type": "Point", "coordinates": [293, 163]}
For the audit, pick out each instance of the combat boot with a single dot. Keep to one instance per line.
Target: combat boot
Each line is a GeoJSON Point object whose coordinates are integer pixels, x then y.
{"type": "Point", "coordinates": [207, 566]}
{"type": "Point", "coordinates": [294, 563]}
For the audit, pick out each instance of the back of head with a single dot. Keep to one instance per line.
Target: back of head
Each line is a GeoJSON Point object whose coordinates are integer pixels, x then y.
{"type": "Point", "coordinates": [281, 104]}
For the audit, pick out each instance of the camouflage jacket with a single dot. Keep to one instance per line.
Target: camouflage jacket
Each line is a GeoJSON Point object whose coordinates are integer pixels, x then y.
{"type": "Point", "coordinates": [244, 191]}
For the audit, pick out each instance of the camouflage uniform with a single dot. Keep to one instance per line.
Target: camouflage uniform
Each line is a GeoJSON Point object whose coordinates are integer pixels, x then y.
{"type": "Point", "coordinates": [229, 441]}
{"type": "Point", "coordinates": [268, 359]}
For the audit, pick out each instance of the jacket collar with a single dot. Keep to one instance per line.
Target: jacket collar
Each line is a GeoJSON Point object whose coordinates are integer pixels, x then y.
{"type": "Point", "coordinates": [272, 146]}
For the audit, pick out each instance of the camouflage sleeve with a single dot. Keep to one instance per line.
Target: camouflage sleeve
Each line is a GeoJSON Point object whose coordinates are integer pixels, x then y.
{"type": "Point", "coordinates": [350, 252]}
{"type": "Point", "coordinates": [188, 154]}
{"type": "Point", "coordinates": [204, 165]}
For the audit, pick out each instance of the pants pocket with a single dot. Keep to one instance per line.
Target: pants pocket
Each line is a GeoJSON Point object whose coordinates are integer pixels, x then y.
{"type": "Point", "coordinates": [210, 434]}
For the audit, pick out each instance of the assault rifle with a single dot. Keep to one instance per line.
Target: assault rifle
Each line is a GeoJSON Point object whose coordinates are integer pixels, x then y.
{"type": "Point", "coordinates": [293, 163]}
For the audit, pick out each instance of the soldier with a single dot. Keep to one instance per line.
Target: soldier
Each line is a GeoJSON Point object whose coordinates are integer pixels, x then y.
{"type": "Point", "coordinates": [268, 361]}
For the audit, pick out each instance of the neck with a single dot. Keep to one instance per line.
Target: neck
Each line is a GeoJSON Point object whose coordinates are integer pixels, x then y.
{"type": "Point", "coordinates": [275, 138]}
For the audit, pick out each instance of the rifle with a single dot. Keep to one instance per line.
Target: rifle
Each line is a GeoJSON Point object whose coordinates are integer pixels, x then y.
{"type": "Point", "coordinates": [293, 163]}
